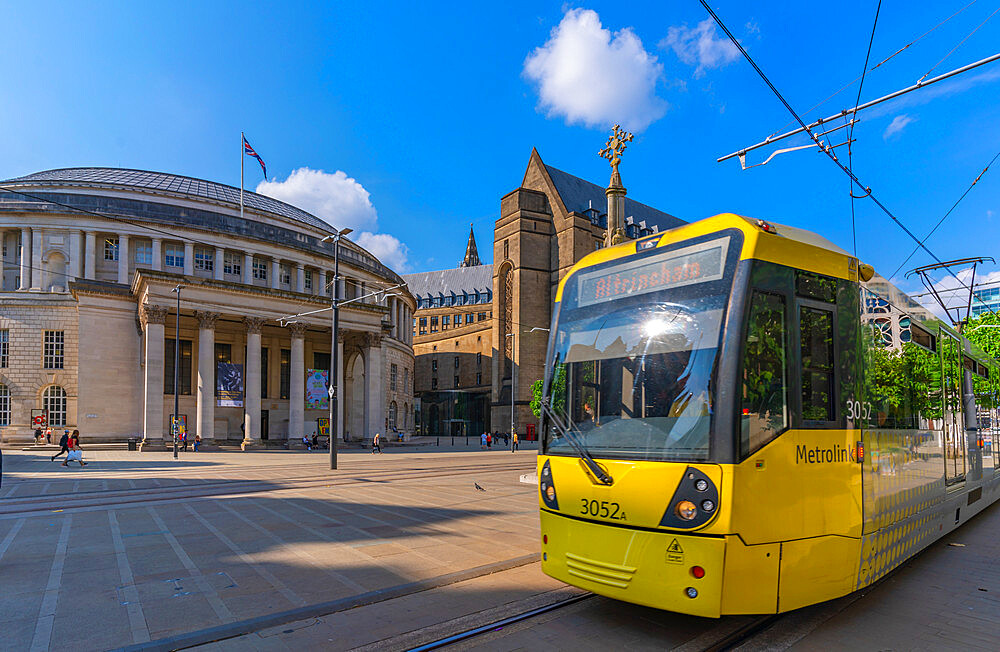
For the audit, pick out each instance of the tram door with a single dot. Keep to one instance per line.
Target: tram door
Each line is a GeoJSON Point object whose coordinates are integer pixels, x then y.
{"type": "Point", "coordinates": [954, 428]}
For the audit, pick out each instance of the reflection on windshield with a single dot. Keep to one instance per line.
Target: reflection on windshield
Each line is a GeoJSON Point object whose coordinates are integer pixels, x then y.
{"type": "Point", "coordinates": [636, 382]}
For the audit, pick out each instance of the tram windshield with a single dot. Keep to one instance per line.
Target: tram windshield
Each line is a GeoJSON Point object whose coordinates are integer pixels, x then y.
{"type": "Point", "coordinates": [633, 355]}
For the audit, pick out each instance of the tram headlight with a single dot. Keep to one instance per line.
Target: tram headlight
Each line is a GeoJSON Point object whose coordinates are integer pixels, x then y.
{"type": "Point", "coordinates": [691, 592]}
{"type": "Point", "coordinates": [701, 484]}
{"type": "Point", "coordinates": [707, 505]}
{"type": "Point", "coordinates": [686, 510]}
{"type": "Point", "coordinates": [550, 492]}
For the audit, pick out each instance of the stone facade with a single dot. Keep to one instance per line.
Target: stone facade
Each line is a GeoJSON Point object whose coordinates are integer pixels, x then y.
{"type": "Point", "coordinates": [106, 287]}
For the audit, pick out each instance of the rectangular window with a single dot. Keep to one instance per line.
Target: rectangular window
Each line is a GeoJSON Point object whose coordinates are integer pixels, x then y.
{"type": "Point", "coordinates": [204, 259]}
{"type": "Point", "coordinates": [223, 353]}
{"type": "Point", "coordinates": [456, 361]}
{"type": "Point", "coordinates": [173, 255]}
{"type": "Point", "coordinates": [470, 318]}
{"type": "Point", "coordinates": [765, 399]}
{"type": "Point", "coordinates": [816, 338]}
{"type": "Point", "coordinates": [479, 359]}
{"type": "Point", "coordinates": [393, 370]}
{"type": "Point", "coordinates": [456, 381]}
{"type": "Point", "coordinates": [111, 249]}
{"type": "Point", "coordinates": [321, 360]}
{"type": "Point", "coordinates": [481, 316]}
{"type": "Point", "coordinates": [263, 372]}
{"type": "Point", "coordinates": [308, 280]}
{"type": "Point", "coordinates": [260, 269]}
{"type": "Point", "coordinates": [434, 365]}
{"type": "Point", "coordinates": [406, 379]}
{"type": "Point", "coordinates": [436, 302]}
{"type": "Point", "coordinates": [814, 286]}
{"type": "Point", "coordinates": [143, 253]}
{"type": "Point", "coordinates": [434, 324]}
{"type": "Point", "coordinates": [434, 383]}
{"type": "Point", "coordinates": [53, 351]}
{"type": "Point", "coordinates": [444, 320]}
{"type": "Point", "coordinates": [4, 347]}
{"type": "Point", "coordinates": [479, 378]}
{"type": "Point", "coordinates": [184, 380]}
{"type": "Point", "coordinates": [232, 264]}
{"type": "Point", "coordinates": [285, 373]}
{"type": "Point", "coordinates": [285, 274]}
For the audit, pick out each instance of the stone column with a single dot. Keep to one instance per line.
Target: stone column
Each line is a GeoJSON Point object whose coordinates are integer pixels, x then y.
{"type": "Point", "coordinates": [321, 287]}
{"type": "Point", "coordinates": [297, 383]}
{"type": "Point", "coordinates": [25, 259]}
{"type": "Point", "coordinates": [205, 422]}
{"type": "Point", "coordinates": [251, 424]}
{"type": "Point", "coordinates": [189, 265]}
{"type": "Point", "coordinates": [375, 418]}
{"type": "Point", "coordinates": [153, 318]}
{"type": "Point", "coordinates": [275, 272]}
{"type": "Point", "coordinates": [300, 278]}
{"type": "Point", "coordinates": [75, 264]}
{"type": "Point", "coordinates": [36, 260]}
{"type": "Point", "coordinates": [90, 255]}
{"type": "Point", "coordinates": [158, 254]}
{"type": "Point", "coordinates": [123, 277]}
{"type": "Point", "coordinates": [248, 269]}
{"type": "Point", "coordinates": [340, 384]}
{"type": "Point", "coordinates": [220, 261]}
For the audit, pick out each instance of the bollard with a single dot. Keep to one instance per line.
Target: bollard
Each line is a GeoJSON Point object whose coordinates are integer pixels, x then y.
{"type": "Point", "coordinates": [439, 440]}
{"type": "Point", "coordinates": [453, 440]}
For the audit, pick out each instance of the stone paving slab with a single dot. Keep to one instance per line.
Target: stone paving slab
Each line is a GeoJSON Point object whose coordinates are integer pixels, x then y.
{"type": "Point", "coordinates": [137, 571]}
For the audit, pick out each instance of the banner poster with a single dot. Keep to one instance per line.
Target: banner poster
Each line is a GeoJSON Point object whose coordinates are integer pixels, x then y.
{"type": "Point", "coordinates": [229, 387]}
{"type": "Point", "coordinates": [316, 389]}
{"type": "Point", "coordinates": [181, 424]}
{"type": "Point", "coordinates": [323, 427]}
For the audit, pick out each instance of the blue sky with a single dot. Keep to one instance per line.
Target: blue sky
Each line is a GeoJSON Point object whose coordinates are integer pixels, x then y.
{"type": "Point", "coordinates": [421, 116]}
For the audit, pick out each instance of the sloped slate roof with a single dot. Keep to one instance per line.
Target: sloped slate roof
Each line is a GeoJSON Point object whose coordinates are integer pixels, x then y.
{"type": "Point", "coordinates": [168, 183]}
{"type": "Point", "coordinates": [579, 195]}
{"type": "Point", "coordinates": [445, 281]}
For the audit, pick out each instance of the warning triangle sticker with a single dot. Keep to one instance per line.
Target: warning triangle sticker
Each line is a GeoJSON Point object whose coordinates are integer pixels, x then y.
{"type": "Point", "coordinates": [675, 547]}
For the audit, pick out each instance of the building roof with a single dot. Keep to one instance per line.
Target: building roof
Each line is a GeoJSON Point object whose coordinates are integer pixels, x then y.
{"type": "Point", "coordinates": [579, 195]}
{"type": "Point", "coordinates": [444, 282]}
{"type": "Point", "coordinates": [164, 183]}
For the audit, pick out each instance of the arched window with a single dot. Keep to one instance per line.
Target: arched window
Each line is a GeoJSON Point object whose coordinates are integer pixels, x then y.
{"type": "Point", "coordinates": [507, 317]}
{"type": "Point", "coordinates": [54, 402]}
{"type": "Point", "coordinates": [392, 415]}
{"type": "Point", "coordinates": [4, 405]}
{"type": "Point", "coordinates": [406, 416]}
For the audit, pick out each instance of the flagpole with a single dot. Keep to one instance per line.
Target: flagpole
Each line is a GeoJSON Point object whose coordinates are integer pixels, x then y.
{"type": "Point", "coordinates": [242, 156]}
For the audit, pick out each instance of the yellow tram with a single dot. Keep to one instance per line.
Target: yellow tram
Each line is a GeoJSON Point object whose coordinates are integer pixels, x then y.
{"type": "Point", "coordinates": [741, 419]}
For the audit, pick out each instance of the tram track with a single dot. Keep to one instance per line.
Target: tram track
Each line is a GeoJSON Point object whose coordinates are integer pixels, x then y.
{"type": "Point", "coordinates": [27, 505]}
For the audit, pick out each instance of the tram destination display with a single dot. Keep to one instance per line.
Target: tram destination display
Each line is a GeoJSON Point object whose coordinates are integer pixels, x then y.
{"type": "Point", "coordinates": [675, 268]}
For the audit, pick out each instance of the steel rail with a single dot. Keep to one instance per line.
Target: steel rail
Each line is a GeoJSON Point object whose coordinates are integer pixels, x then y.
{"type": "Point", "coordinates": [920, 84]}
{"type": "Point", "coordinates": [499, 624]}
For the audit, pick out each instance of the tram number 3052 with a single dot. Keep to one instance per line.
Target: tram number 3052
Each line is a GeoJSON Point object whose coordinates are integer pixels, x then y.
{"type": "Point", "coordinates": [602, 508]}
{"type": "Point", "coordinates": [856, 410]}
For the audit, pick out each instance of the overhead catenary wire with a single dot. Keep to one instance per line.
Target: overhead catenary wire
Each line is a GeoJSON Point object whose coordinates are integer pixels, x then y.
{"type": "Point", "coordinates": [877, 65]}
{"type": "Point", "coordinates": [852, 122]}
{"type": "Point", "coordinates": [945, 216]}
{"type": "Point", "coordinates": [959, 44]}
{"type": "Point", "coordinates": [826, 150]}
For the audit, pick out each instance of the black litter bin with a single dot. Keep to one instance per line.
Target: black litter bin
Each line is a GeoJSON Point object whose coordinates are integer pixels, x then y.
{"type": "Point", "coordinates": [133, 444]}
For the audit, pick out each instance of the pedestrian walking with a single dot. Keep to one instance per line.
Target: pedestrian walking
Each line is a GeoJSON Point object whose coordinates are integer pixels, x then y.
{"type": "Point", "coordinates": [489, 441]}
{"type": "Point", "coordinates": [75, 454]}
{"type": "Point", "coordinates": [306, 442]}
{"type": "Point", "coordinates": [38, 435]}
{"type": "Point", "coordinates": [375, 444]}
{"type": "Point", "coordinates": [48, 434]}
{"type": "Point", "coordinates": [184, 441]}
{"type": "Point", "coordinates": [197, 442]}
{"type": "Point", "coordinates": [64, 446]}
{"type": "Point", "coordinates": [515, 441]}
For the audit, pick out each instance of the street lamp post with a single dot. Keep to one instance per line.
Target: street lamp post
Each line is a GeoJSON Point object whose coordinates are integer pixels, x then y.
{"type": "Point", "coordinates": [335, 336]}
{"type": "Point", "coordinates": [175, 421]}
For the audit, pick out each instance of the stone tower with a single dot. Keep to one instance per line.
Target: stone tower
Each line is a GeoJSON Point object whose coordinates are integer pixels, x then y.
{"type": "Point", "coordinates": [471, 254]}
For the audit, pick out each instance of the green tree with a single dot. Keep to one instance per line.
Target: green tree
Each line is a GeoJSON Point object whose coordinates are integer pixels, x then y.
{"type": "Point", "coordinates": [558, 393]}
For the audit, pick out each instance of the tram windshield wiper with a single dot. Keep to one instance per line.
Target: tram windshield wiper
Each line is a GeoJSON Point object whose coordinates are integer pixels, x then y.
{"type": "Point", "coordinates": [571, 438]}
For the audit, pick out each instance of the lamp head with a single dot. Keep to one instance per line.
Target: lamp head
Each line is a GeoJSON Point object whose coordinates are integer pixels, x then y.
{"type": "Point", "coordinates": [177, 288]}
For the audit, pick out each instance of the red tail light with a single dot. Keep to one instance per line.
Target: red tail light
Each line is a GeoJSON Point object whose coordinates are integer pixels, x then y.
{"type": "Point", "coordinates": [698, 572]}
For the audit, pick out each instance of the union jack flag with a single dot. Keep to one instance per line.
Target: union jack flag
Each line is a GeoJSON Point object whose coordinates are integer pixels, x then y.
{"type": "Point", "coordinates": [250, 151]}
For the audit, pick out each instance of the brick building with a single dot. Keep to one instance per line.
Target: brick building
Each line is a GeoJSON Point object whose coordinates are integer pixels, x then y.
{"type": "Point", "coordinates": [547, 224]}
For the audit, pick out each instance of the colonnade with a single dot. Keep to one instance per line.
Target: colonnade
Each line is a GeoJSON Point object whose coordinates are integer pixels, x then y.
{"type": "Point", "coordinates": [154, 318]}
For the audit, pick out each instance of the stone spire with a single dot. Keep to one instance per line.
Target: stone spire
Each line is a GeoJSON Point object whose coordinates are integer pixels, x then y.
{"type": "Point", "coordinates": [616, 191]}
{"type": "Point", "coordinates": [471, 254]}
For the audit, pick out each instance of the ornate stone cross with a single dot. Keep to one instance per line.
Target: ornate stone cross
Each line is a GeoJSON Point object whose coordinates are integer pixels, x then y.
{"type": "Point", "coordinates": [615, 146]}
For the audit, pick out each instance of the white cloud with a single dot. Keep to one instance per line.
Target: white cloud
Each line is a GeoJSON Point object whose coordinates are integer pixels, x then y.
{"type": "Point", "coordinates": [897, 125]}
{"type": "Point", "coordinates": [335, 198]}
{"type": "Point", "coordinates": [386, 248]}
{"type": "Point", "coordinates": [589, 76]}
{"type": "Point", "coordinates": [954, 292]}
{"type": "Point", "coordinates": [341, 202]}
{"type": "Point", "coordinates": [702, 46]}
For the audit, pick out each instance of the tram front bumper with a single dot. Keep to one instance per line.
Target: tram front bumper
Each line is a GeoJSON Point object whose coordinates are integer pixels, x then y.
{"type": "Point", "coordinates": [656, 569]}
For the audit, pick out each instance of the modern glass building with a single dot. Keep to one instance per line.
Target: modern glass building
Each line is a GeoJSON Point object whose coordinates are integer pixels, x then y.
{"type": "Point", "coordinates": [985, 300]}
